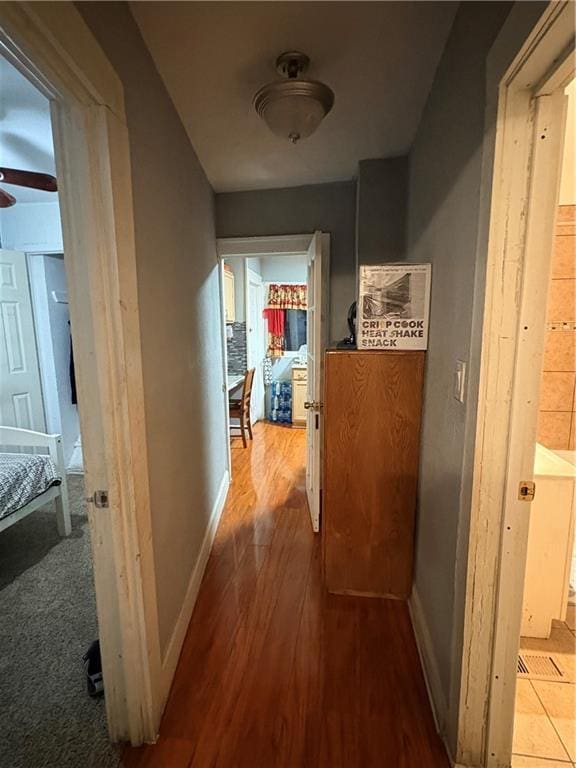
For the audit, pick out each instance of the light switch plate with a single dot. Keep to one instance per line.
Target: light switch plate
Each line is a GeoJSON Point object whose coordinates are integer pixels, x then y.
{"type": "Point", "coordinates": [460, 381]}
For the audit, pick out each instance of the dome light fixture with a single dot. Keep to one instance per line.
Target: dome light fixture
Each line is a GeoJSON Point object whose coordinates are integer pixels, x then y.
{"type": "Point", "coordinates": [293, 108]}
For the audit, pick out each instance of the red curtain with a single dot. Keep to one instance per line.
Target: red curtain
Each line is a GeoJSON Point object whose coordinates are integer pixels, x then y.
{"type": "Point", "coordinates": [276, 320]}
{"type": "Point", "coordinates": [281, 297]}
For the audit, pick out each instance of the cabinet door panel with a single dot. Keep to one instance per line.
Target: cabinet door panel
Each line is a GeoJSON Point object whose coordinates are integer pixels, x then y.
{"type": "Point", "coordinates": [298, 400]}
{"type": "Point", "coordinates": [372, 410]}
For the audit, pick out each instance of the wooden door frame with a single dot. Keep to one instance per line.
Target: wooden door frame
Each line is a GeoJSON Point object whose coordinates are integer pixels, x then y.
{"type": "Point", "coordinates": [246, 309]}
{"type": "Point", "coordinates": [47, 379]}
{"type": "Point", "coordinates": [271, 245]}
{"type": "Point", "coordinates": [222, 289]}
{"type": "Point", "coordinates": [51, 44]}
{"type": "Point", "coordinates": [521, 220]}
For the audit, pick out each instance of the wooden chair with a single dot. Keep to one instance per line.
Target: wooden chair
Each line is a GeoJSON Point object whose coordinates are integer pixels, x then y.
{"type": "Point", "coordinates": [240, 409]}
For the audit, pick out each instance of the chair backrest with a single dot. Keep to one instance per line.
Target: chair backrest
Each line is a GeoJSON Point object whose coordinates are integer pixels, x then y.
{"type": "Point", "coordinates": [247, 388]}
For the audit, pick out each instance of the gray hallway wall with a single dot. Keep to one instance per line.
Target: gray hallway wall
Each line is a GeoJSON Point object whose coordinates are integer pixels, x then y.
{"type": "Point", "coordinates": [444, 227]}
{"type": "Point", "coordinates": [382, 210]}
{"type": "Point", "coordinates": [179, 311]}
{"type": "Point", "coordinates": [298, 210]}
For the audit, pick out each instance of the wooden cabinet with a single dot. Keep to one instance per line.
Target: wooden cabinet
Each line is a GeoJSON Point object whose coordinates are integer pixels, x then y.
{"type": "Point", "coordinates": [229, 300]}
{"type": "Point", "coordinates": [299, 386]}
{"type": "Point", "coordinates": [372, 410]}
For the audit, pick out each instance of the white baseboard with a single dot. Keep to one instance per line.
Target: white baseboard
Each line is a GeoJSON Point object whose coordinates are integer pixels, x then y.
{"type": "Point", "coordinates": [430, 669]}
{"type": "Point", "coordinates": [428, 660]}
{"type": "Point", "coordinates": [177, 640]}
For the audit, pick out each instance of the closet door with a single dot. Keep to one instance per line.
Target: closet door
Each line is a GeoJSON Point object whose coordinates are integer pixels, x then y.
{"type": "Point", "coordinates": [21, 403]}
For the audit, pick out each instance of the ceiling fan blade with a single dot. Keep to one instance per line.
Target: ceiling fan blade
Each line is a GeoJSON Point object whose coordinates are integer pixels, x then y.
{"type": "Point", "coordinates": [31, 179]}
{"type": "Point", "coordinates": [6, 199]}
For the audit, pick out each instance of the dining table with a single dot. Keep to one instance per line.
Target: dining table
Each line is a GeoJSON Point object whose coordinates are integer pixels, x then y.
{"type": "Point", "coordinates": [233, 381]}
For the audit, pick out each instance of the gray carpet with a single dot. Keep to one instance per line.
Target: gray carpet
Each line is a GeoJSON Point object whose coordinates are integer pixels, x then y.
{"type": "Point", "coordinates": [47, 621]}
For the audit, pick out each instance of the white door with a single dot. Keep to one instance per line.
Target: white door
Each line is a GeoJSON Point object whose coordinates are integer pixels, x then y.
{"type": "Point", "coordinates": [20, 389]}
{"type": "Point", "coordinates": [314, 383]}
{"type": "Point", "coordinates": [255, 341]}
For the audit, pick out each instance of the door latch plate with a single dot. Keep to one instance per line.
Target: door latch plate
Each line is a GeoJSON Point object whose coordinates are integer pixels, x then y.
{"type": "Point", "coordinates": [526, 490]}
{"type": "Point", "coordinates": [99, 499]}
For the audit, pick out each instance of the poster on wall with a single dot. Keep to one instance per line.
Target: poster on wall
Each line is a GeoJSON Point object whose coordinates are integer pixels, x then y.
{"type": "Point", "coordinates": [393, 306]}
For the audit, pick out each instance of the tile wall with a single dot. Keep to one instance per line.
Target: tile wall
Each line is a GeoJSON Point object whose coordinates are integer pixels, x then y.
{"type": "Point", "coordinates": [236, 347]}
{"type": "Point", "coordinates": [557, 420]}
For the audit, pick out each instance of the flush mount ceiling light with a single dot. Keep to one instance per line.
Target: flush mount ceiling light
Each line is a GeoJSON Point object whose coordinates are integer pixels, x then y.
{"type": "Point", "coordinates": [293, 108]}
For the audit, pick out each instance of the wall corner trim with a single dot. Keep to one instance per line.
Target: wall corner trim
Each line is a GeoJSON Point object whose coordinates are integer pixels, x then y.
{"type": "Point", "coordinates": [429, 663]}
{"type": "Point", "coordinates": [176, 642]}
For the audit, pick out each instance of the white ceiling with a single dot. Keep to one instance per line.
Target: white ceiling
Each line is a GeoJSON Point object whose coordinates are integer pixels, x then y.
{"type": "Point", "coordinates": [25, 132]}
{"type": "Point", "coordinates": [378, 57]}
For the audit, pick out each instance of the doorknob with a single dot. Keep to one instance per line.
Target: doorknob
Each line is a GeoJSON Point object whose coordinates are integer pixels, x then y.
{"type": "Point", "coordinates": [314, 405]}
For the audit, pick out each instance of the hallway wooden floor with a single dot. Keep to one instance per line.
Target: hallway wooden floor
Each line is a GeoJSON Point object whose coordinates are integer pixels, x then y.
{"type": "Point", "coordinates": [274, 673]}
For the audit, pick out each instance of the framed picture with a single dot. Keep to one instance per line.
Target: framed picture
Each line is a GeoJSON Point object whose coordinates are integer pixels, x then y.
{"type": "Point", "coordinates": [393, 306]}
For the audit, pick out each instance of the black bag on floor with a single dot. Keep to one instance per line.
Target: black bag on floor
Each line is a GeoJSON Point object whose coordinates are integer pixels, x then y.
{"type": "Point", "coordinates": [93, 666]}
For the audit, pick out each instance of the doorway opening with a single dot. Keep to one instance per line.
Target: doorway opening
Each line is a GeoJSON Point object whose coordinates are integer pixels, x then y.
{"type": "Point", "coordinates": [512, 471]}
{"type": "Point", "coordinates": [51, 318]}
{"type": "Point", "coordinates": [47, 596]}
{"type": "Point", "coordinates": [92, 161]}
{"type": "Point", "coordinates": [545, 705]}
{"type": "Point", "coordinates": [274, 324]}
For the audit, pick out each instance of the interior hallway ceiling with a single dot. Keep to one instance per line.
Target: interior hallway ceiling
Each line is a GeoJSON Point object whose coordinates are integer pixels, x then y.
{"type": "Point", "coordinates": [379, 58]}
{"type": "Point", "coordinates": [25, 132]}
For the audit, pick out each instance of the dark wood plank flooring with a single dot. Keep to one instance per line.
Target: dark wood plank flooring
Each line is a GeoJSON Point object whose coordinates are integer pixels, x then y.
{"type": "Point", "coordinates": [275, 673]}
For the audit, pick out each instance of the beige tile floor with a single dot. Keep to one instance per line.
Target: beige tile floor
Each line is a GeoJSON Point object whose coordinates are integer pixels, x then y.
{"type": "Point", "coordinates": [545, 717]}
{"type": "Point", "coordinates": [523, 761]}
